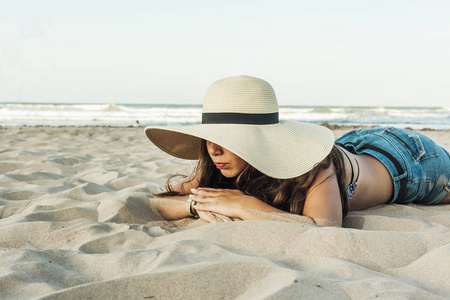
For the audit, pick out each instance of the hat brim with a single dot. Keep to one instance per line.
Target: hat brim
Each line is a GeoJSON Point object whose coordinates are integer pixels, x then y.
{"type": "Point", "coordinates": [284, 150]}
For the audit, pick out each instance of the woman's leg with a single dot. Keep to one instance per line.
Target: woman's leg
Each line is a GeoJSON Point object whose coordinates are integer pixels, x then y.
{"type": "Point", "coordinates": [446, 199]}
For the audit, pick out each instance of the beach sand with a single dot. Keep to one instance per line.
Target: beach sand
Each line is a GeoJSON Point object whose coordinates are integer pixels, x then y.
{"type": "Point", "coordinates": [78, 221]}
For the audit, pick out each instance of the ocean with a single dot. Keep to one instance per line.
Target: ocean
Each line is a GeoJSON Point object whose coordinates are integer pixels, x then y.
{"type": "Point", "coordinates": [19, 114]}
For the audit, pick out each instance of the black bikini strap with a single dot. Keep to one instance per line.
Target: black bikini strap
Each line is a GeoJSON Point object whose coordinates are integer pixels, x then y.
{"type": "Point", "coordinates": [357, 176]}
{"type": "Point", "coordinates": [351, 166]}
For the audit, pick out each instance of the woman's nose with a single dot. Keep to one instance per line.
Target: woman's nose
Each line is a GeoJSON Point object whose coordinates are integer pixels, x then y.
{"type": "Point", "coordinates": [214, 149]}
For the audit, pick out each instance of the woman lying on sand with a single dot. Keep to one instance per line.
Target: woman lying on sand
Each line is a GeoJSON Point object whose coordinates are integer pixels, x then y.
{"type": "Point", "coordinates": [250, 162]}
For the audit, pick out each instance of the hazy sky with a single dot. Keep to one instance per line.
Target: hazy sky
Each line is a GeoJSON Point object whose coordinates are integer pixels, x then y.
{"type": "Point", "coordinates": [383, 52]}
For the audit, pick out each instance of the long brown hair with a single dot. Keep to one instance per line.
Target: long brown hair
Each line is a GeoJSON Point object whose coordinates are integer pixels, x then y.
{"type": "Point", "coordinates": [285, 194]}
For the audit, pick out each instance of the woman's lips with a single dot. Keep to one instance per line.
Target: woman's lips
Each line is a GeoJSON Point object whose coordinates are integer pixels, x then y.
{"type": "Point", "coordinates": [220, 165]}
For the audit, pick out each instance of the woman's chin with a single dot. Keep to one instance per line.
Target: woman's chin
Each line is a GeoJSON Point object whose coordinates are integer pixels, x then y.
{"type": "Point", "coordinates": [228, 174]}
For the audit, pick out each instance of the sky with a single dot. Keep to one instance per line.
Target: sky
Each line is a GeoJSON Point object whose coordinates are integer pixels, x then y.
{"type": "Point", "coordinates": [322, 52]}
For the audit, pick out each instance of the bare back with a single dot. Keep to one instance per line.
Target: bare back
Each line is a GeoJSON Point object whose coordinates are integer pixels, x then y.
{"type": "Point", "coordinates": [375, 185]}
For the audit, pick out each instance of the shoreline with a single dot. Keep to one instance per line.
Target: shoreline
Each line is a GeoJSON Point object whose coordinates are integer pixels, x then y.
{"type": "Point", "coordinates": [325, 124]}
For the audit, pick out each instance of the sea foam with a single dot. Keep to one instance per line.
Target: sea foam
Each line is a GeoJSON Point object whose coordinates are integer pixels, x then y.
{"type": "Point", "coordinates": [144, 115]}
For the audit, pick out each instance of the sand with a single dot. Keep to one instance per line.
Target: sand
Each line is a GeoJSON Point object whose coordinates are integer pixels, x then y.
{"type": "Point", "coordinates": [78, 221]}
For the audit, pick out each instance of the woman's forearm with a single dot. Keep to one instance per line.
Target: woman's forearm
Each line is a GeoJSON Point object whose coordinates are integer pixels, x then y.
{"type": "Point", "coordinates": [255, 214]}
{"type": "Point", "coordinates": [235, 204]}
{"type": "Point", "coordinates": [263, 211]}
{"type": "Point", "coordinates": [173, 207]}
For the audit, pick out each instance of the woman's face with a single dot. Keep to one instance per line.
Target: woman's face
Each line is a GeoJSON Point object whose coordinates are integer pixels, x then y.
{"type": "Point", "coordinates": [229, 164]}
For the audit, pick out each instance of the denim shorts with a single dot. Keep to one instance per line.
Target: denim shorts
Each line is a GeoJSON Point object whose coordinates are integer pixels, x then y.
{"type": "Point", "coordinates": [420, 169]}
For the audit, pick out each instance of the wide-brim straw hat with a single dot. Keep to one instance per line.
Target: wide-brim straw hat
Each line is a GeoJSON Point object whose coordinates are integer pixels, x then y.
{"type": "Point", "coordinates": [241, 114]}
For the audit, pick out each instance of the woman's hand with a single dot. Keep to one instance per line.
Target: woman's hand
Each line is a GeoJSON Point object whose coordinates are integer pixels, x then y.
{"type": "Point", "coordinates": [220, 205]}
{"type": "Point", "coordinates": [224, 202]}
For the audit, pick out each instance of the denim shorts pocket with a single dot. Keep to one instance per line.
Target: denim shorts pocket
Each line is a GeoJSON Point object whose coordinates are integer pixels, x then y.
{"type": "Point", "coordinates": [418, 146]}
